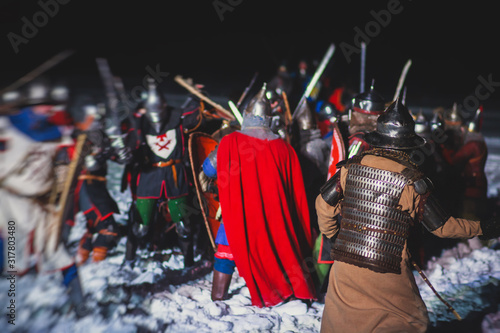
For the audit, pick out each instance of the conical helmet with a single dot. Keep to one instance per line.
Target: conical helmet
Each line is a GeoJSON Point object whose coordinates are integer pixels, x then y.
{"type": "Point", "coordinates": [37, 92]}
{"type": "Point", "coordinates": [369, 102]}
{"type": "Point", "coordinates": [305, 117]}
{"type": "Point", "coordinates": [155, 106]}
{"type": "Point", "coordinates": [395, 129]}
{"type": "Point", "coordinates": [421, 123]}
{"type": "Point", "coordinates": [452, 118]}
{"type": "Point", "coordinates": [259, 105]}
{"type": "Point", "coordinates": [281, 82]}
{"type": "Point", "coordinates": [436, 121]}
{"type": "Point", "coordinates": [476, 123]}
{"type": "Point", "coordinates": [12, 97]}
{"type": "Point", "coordinates": [92, 114]}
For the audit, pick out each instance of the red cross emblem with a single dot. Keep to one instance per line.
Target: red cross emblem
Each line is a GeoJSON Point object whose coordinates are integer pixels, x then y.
{"type": "Point", "coordinates": [161, 138]}
{"type": "Point", "coordinates": [162, 145]}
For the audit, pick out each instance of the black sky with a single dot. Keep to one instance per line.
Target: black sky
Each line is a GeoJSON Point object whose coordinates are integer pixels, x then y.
{"type": "Point", "coordinates": [450, 44]}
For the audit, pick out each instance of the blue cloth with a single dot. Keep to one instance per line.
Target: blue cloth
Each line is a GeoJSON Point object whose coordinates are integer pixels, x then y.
{"type": "Point", "coordinates": [36, 126]}
{"type": "Point", "coordinates": [69, 274]}
{"type": "Point", "coordinates": [225, 266]}
{"type": "Point", "coordinates": [221, 236]}
{"type": "Point", "coordinates": [1, 252]}
{"type": "Point", "coordinates": [319, 105]}
{"type": "Point", "coordinates": [209, 169]}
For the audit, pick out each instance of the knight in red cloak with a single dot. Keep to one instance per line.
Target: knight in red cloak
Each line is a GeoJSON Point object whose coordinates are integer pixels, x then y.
{"type": "Point", "coordinates": [266, 231]}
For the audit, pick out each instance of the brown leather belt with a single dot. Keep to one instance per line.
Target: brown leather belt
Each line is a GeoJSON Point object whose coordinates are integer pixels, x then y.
{"type": "Point", "coordinates": [92, 177]}
{"type": "Point", "coordinates": [167, 163]}
{"type": "Point", "coordinates": [170, 163]}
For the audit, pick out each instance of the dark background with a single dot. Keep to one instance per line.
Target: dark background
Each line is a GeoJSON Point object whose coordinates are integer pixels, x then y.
{"type": "Point", "coordinates": [450, 44]}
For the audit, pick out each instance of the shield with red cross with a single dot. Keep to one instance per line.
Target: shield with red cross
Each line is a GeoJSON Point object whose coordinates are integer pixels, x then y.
{"type": "Point", "coordinates": [162, 145]}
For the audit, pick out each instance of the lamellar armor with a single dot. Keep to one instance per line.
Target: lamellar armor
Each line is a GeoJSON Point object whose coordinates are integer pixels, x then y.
{"type": "Point", "coordinates": [374, 230]}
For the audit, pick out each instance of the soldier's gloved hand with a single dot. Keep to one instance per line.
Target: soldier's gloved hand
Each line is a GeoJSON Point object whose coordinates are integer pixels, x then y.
{"type": "Point", "coordinates": [123, 152]}
{"type": "Point", "coordinates": [117, 141]}
{"type": "Point", "coordinates": [124, 155]}
{"type": "Point", "coordinates": [140, 230]}
{"type": "Point", "coordinates": [204, 180]}
{"type": "Point", "coordinates": [490, 228]}
{"type": "Point", "coordinates": [91, 163]}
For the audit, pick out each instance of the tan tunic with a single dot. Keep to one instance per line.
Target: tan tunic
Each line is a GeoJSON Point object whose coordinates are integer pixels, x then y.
{"type": "Point", "coordinates": [360, 300]}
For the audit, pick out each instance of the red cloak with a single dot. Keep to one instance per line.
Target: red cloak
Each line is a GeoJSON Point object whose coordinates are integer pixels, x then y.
{"type": "Point", "coordinates": [266, 217]}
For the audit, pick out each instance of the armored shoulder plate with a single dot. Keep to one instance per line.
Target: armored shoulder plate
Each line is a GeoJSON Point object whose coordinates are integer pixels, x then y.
{"type": "Point", "coordinates": [434, 215]}
{"type": "Point", "coordinates": [331, 192]}
{"type": "Point", "coordinates": [416, 178]}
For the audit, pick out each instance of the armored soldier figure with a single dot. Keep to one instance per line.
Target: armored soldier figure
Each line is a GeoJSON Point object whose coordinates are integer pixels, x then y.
{"type": "Point", "coordinates": [450, 184]}
{"type": "Point", "coordinates": [31, 136]}
{"type": "Point", "coordinates": [265, 230]}
{"type": "Point", "coordinates": [92, 196]}
{"type": "Point", "coordinates": [279, 121]}
{"type": "Point", "coordinates": [313, 153]}
{"type": "Point", "coordinates": [281, 82]}
{"type": "Point", "coordinates": [159, 150]}
{"type": "Point", "coordinates": [310, 143]}
{"type": "Point", "coordinates": [366, 107]}
{"type": "Point", "coordinates": [469, 160]}
{"type": "Point", "coordinates": [368, 209]}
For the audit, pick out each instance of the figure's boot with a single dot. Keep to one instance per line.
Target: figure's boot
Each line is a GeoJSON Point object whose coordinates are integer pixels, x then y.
{"type": "Point", "coordinates": [132, 240]}
{"type": "Point", "coordinates": [185, 237]}
{"type": "Point", "coordinates": [99, 253]}
{"type": "Point", "coordinates": [177, 210]}
{"type": "Point", "coordinates": [130, 248]}
{"type": "Point", "coordinates": [84, 248]}
{"type": "Point", "coordinates": [220, 285]}
{"type": "Point", "coordinates": [186, 245]}
{"type": "Point", "coordinates": [105, 240]}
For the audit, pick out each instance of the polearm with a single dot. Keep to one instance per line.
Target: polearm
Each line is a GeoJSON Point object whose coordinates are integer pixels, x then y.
{"type": "Point", "coordinates": [112, 99]}
{"type": "Point", "coordinates": [109, 83]}
{"type": "Point", "coordinates": [362, 69]}
{"type": "Point", "coordinates": [38, 71]}
{"type": "Point", "coordinates": [63, 207]}
{"type": "Point", "coordinates": [120, 88]}
{"type": "Point", "coordinates": [288, 114]}
{"type": "Point", "coordinates": [235, 107]}
{"type": "Point", "coordinates": [247, 89]}
{"type": "Point", "coordinates": [450, 308]}
{"type": "Point", "coordinates": [11, 107]}
{"type": "Point", "coordinates": [402, 79]}
{"type": "Point", "coordinates": [223, 112]}
{"type": "Point", "coordinates": [319, 71]}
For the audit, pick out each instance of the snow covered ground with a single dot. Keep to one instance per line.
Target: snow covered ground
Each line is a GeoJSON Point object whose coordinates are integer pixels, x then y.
{"type": "Point", "coordinates": [156, 297]}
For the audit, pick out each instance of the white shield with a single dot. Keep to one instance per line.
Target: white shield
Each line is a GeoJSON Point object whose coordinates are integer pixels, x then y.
{"type": "Point", "coordinates": [162, 145]}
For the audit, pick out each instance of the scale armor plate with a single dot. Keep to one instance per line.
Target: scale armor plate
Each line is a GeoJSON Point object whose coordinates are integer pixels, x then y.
{"type": "Point", "coordinates": [373, 229]}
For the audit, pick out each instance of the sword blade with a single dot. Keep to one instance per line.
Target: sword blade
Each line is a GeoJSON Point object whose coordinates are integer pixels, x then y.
{"type": "Point", "coordinates": [402, 79]}
{"type": "Point", "coordinates": [247, 89]}
{"type": "Point", "coordinates": [319, 71]}
{"type": "Point", "coordinates": [236, 112]}
{"type": "Point", "coordinates": [112, 128]}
